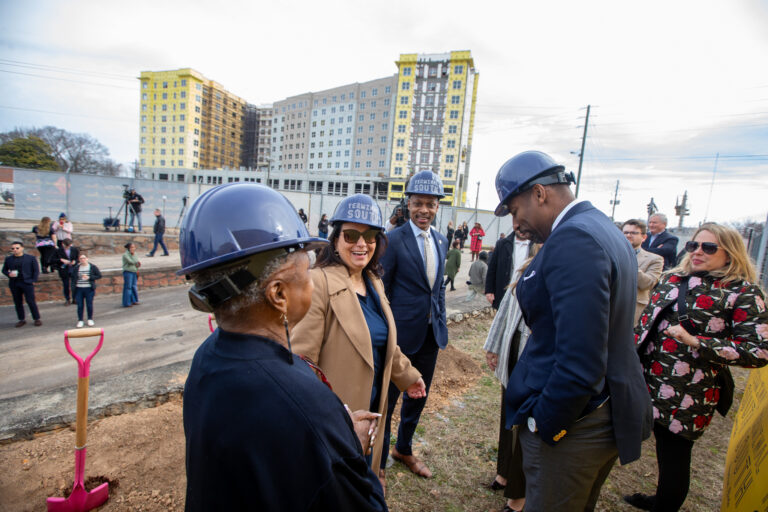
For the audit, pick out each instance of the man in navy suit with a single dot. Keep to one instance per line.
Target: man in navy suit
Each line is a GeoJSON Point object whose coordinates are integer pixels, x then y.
{"type": "Point", "coordinates": [577, 391]}
{"type": "Point", "coordinates": [413, 269]}
{"type": "Point", "coordinates": [660, 241]}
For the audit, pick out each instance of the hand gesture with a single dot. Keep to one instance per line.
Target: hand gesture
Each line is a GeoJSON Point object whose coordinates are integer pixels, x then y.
{"type": "Point", "coordinates": [417, 390]}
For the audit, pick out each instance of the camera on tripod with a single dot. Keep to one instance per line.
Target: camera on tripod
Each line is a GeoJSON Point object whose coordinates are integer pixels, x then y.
{"type": "Point", "coordinates": [126, 192]}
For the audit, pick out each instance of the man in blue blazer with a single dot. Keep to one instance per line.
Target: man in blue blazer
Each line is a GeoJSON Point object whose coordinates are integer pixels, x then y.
{"type": "Point", "coordinates": [660, 241]}
{"type": "Point", "coordinates": [577, 391]}
{"type": "Point", "coordinates": [413, 269]}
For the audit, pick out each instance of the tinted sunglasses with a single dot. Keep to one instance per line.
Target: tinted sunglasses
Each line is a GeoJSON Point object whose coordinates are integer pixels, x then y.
{"type": "Point", "coordinates": [706, 247]}
{"type": "Point", "coordinates": [351, 236]}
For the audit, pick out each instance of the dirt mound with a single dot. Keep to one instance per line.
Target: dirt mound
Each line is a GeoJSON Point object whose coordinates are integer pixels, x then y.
{"type": "Point", "coordinates": [144, 451]}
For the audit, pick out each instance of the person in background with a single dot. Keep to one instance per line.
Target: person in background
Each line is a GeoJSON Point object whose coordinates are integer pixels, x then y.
{"type": "Point", "coordinates": [262, 431]}
{"type": "Point", "coordinates": [135, 200]}
{"type": "Point", "coordinates": [476, 244]}
{"type": "Point", "coordinates": [397, 218]}
{"type": "Point", "coordinates": [461, 233]}
{"type": "Point", "coordinates": [477, 274]}
{"type": "Point", "coordinates": [660, 241]}
{"type": "Point", "coordinates": [322, 227]}
{"type": "Point", "coordinates": [84, 276]}
{"type": "Point", "coordinates": [449, 233]}
{"type": "Point", "coordinates": [67, 256]}
{"type": "Point", "coordinates": [649, 265]}
{"type": "Point", "coordinates": [22, 273]}
{"type": "Point", "coordinates": [705, 315]}
{"type": "Point", "coordinates": [62, 230]}
{"type": "Point", "coordinates": [349, 331]}
{"type": "Point", "coordinates": [159, 230]}
{"type": "Point", "coordinates": [452, 264]}
{"type": "Point", "coordinates": [303, 215]}
{"type": "Point", "coordinates": [505, 342]}
{"type": "Point", "coordinates": [510, 252]}
{"type": "Point", "coordinates": [131, 266]}
{"type": "Point", "coordinates": [45, 243]}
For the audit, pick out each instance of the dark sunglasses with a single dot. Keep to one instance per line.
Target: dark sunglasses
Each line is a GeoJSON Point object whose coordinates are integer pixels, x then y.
{"type": "Point", "coordinates": [706, 247]}
{"type": "Point", "coordinates": [351, 236]}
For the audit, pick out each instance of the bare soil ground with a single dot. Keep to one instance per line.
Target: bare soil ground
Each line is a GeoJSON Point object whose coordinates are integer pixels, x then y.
{"type": "Point", "coordinates": [141, 454]}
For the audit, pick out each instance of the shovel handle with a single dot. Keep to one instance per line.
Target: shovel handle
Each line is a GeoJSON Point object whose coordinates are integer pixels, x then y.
{"type": "Point", "coordinates": [83, 365]}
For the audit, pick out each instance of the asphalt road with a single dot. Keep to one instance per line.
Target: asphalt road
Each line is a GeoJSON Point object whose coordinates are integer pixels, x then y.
{"type": "Point", "coordinates": [163, 329]}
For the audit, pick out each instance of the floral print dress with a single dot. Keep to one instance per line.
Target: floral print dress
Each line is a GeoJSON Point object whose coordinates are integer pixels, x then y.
{"type": "Point", "coordinates": [731, 323]}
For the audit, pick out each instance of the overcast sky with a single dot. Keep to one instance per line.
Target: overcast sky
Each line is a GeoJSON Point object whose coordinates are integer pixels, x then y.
{"type": "Point", "coordinates": [671, 83]}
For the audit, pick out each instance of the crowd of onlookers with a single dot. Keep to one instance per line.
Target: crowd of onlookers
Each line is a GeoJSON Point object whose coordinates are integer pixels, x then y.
{"type": "Point", "coordinates": [58, 253]}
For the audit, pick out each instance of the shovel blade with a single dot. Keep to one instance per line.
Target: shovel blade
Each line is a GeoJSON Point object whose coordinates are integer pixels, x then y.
{"type": "Point", "coordinates": [80, 500]}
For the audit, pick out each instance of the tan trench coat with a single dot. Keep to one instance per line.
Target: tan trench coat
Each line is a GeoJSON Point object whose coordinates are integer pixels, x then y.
{"type": "Point", "coordinates": [334, 335]}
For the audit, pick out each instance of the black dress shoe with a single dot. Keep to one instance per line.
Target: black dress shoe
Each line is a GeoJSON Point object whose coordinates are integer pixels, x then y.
{"type": "Point", "coordinates": [641, 501]}
{"type": "Point", "coordinates": [496, 486]}
{"type": "Point", "coordinates": [20, 323]}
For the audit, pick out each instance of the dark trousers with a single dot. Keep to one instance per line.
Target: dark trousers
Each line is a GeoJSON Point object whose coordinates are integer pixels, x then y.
{"type": "Point", "coordinates": [673, 454]}
{"type": "Point", "coordinates": [450, 280]}
{"type": "Point", "coordinates": [423, 360]}
{"type": "Point", "coordinates": [568, 477]}
{"type": "Point", "coordinates": [158, 240]}
{"type": "Point", "coordinates": [84, 297]}
{"type": "Point", "coordinates": [46, 255]}
{"type": "Point", "coordinates": [26, 291]}
{"type": "Point", "coordinates": [66, 283]}
{"type": "Point", "coordinates": [510, 459]}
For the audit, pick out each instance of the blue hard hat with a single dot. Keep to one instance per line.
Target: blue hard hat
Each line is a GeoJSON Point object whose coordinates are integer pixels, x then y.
{"type": "Point", "coordinates": [426, 183]}
{"type": "Point", "coordinates": [359, 208]}
{"type": "Point", "coordinates": [236, 220]}
{"type": "Point", "coordinates": [523, 171]}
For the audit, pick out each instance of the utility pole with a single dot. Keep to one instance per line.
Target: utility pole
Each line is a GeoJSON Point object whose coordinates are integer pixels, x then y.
{"type": "Point", "coordinates": [711, 186]}
{"type": "Point", "coordinates": [615, 200]}
{"type": "Point", "coordinates": [136, 172]}
{"type": "Point", "coordinates": [581, 153]}
{"type": "Point", "coordinates": [681, 209]}
{"type": "Point", "coordinates": [477, 197]}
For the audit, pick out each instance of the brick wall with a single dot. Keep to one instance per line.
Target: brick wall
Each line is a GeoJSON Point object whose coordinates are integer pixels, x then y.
{"type": "Point", "coordinates": [49, 288]}
{"type": "Point", "coordinates": [92, 243]}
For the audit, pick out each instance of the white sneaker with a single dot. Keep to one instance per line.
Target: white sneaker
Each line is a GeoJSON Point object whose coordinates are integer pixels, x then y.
{"type": "Point", "coordinates": [90, 323]}
{"type": "Point", "coordinates": [79, 324]}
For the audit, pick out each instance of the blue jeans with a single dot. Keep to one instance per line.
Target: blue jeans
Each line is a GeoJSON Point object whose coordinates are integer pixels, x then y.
{"type": "Point", "coordinates": [158, 240]}
{"type": "Point", "coordinates": [134, 214]}
{"type": "Point", "coordinates": [323, 235]}
{"type": "Point", "coordinates": [130, 288]}
{"type": "Point", "coordinates": [84, 296]}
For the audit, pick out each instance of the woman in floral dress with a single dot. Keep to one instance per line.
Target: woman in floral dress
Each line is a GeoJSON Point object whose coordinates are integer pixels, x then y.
{"type": "Point", "coordinates": [686, 361]}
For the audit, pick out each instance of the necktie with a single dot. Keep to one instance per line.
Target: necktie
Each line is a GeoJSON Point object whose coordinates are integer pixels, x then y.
{"type": "Point", "coordinates": [429, 259]}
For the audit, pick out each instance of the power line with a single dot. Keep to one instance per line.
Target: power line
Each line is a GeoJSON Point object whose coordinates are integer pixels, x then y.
{"type": "Point", "coordinates": [70, 80]}
{"type": "Point", "coordinates": [67, 114]}
{"type": "Point", "coordinates": [58, 69]}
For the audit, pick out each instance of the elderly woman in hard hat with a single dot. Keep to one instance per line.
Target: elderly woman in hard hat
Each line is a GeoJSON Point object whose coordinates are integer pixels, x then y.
{"type": "Point", "coordinates": [262, 430]}
{"type": "Point", "coordinates": [349, 329]}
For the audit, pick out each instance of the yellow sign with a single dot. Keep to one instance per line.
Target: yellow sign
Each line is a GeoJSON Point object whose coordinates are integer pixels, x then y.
{"type": "Point", "coordinates": [745, 486]}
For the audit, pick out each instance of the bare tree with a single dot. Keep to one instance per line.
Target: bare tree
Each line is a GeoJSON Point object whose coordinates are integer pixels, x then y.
{"type": "Point", "coordinates": [74, 152]}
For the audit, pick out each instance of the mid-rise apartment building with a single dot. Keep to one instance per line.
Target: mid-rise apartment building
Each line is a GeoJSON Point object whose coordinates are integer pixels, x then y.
{"type": "Point", "coordinates": [188, 121]}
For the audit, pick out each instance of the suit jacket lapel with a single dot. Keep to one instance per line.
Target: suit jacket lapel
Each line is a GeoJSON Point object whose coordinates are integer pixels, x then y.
{"type": "Point", "coordinates": [440, 259]}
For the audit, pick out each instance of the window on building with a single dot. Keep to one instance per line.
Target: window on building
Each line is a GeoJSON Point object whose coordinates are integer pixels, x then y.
{"type": "Point", "coordinates": [454, 114]}
{"type": "Point", "coordinates": [406, 71]}
{"type": "Point", "coordinates": [449, 158]}
{"type": "Point", "coordinates": [452, 128]}
{"type": "Point", "coordinates": [450, 144]}
{"type": "Point", "coordinates": [457, 84]}
{"type": "Point", "coordinates": [458, 70]}
{"type": "Point", "coordinates": [402, 114]}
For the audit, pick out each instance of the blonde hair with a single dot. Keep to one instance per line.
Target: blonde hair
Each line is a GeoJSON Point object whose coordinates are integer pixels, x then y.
{"type": "Point", "coordinates": [44, 228]}
{"type": "Point", "coordinates": [534, 250]}
{"type": "Point", "coordinates": [740, 266]}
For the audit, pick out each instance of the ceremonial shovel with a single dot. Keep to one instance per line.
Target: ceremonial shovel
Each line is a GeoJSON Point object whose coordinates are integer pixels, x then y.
{"type": "Point", "coordinates": [81, 500]}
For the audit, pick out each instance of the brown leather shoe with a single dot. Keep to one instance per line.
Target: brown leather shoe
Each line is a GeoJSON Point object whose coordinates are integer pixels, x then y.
{"type": "Point", "coordinates": [21, 323]}
{"type": "Point", "coordinates": [38, 322]}
{"type": "Point", "coordinates": [413, 463]}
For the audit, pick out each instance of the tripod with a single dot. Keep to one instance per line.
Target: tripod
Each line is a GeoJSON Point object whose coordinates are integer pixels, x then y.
{"type": "Point", "coordinates": [183, 210]}
{"type": "Point", "coordinates": [124, 208]}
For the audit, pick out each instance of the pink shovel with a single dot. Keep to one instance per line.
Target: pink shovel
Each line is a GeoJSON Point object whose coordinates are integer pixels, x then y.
{"type": "Point", "coordinates": [81, 500]}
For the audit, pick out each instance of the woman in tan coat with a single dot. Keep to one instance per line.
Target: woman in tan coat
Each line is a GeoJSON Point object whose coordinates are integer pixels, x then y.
{"type": "Point", "coordinates": [349, 331]}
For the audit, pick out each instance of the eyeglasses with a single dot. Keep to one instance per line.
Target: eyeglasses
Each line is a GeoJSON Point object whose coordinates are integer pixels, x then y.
{"type": "Point", "coordinates": [351, 236]}
{"type": "Point", "coordinates": [631, 232]}
{"type": "Point", "coordinates": [706, 247]}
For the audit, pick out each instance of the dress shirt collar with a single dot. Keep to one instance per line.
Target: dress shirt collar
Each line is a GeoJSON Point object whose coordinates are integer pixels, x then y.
{"type": "Point", "coordinates": [565, 210]}
{"type": "Point", "coordinates": [416, 229]}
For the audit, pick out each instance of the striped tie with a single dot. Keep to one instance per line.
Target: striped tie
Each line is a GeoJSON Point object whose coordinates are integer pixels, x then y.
{"type": "Point", "coordinates": [429, 259]}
